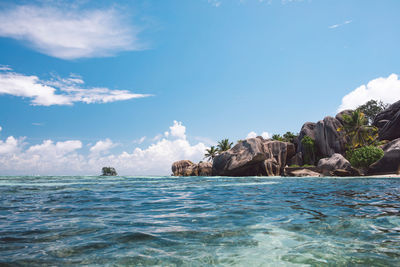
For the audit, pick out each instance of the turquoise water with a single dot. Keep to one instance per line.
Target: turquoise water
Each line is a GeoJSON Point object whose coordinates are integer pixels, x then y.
{"type": "Point", "coordinates": [118, 221]}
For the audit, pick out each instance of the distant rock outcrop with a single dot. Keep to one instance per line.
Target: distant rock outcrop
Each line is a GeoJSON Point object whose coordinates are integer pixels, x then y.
{"type": "Point", "coordinates": [390, 163]}
{"type": "Point", "coordinates": [188, 168]}
{"type": "Point", "coordinates": [108, 171]}
{"type": "Point", "coordinates": [254, 157]}
{"type": "Point", "coordinates": [388, 122]}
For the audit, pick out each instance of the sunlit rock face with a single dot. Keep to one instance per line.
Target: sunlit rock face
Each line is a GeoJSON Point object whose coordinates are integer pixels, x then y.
{"type": "Point", "coordinates": [254, 157]}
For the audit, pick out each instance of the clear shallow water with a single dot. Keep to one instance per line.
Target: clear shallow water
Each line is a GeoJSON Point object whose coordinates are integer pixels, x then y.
{"type": "Point", "coordinates": [199, 221]}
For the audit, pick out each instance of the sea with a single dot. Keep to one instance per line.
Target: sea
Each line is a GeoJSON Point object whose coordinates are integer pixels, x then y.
{"type": "Point", "coordinates": [199, 221]}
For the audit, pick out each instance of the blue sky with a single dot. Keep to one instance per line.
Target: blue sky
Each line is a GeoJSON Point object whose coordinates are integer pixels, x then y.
{"type": "Point", "coordinates": [218, 68]}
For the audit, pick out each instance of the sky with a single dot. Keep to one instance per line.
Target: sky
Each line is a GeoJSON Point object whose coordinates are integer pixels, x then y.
{"type": "Point", "coordinates": [140, 84]}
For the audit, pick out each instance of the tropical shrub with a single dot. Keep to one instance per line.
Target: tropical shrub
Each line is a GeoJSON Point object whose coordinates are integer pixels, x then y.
{"type": "Point", "coordinates": [364, 156]}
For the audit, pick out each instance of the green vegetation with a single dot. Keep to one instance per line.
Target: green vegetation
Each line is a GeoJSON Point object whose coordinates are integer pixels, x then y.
{"type": "Point", "coordinates": [277, 137]}
{"type": "Point", "coordinates": [224, 145]}
{"type": "Point", "coordinates": [364, 156]}
{"type": "Point", "coordinates": [309, 150]}
{"type": "Point", "coordinates": [298, 166]}
{"type": "Point", "coordinates": [108, 171]}
{"type": "Point", "coordinates": [371, 109]}
{"type": "Point", "coordinates": [287, 137]}
{"type": "Point", "coordinates": [357, 130]}
{"type": "Point", "coordinates": [290, 137]}
{"type": "Point", "coordinates": [211, 153]}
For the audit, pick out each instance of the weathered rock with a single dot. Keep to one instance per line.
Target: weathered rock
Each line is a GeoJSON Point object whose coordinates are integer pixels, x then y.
{"type": "Point", "coordinates": [328, 165]}
{"type": "Point", "coordinates": [327, 139]}
{"type": "Point", "coordinates": [254, 157]}
{"type": "Point", "coordinates": [346, 173]}
{"type": "Point", "coordinates": [388, 122]}
{"type": "Point", "coordinates": [108, 171]}
{"type": "Point", "coordinates": [303, 173]}
{"type": "Point", "coordinates": [184, 168]}
{"type": "Point", "coordinates": [390, 163]}
{"type": "Point", "coordinates": [296, 159]}
{"type": "Point", "coordinates": [339, 116]}
{"type": "Point", "coordinates": [205, 169]}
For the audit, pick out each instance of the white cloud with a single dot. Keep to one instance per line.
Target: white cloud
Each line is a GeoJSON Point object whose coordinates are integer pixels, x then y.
{"type": "Point", "coordinates": [67, 158]}
{"type": "Point", "coordinates": [386, 90]}
{"type": "Point", "coordinates": [10, 146]}
{"type": "Point", "coordinates": [58, 91]}
{"type": "Point", "coordinates": [1, 128]}
{"type": "Point", "coordinates": [4, 67]}
{"type": "Point", "coordinates": [265, 135]}
{"type": "Point", "coordinates": [341, 24]}
{"type": "Point", "coordinates": [253, 134]}
{"type": "Point", "coordinates": [67, 32]}
{"type": "Point", "coordinates": [177, 130]}
{"type": "Point", "coordinates": [102, 146]}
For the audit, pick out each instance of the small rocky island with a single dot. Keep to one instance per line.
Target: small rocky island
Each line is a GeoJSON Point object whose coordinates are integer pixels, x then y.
{"type": "Point", "coordinates": [353, 143]}
{"type": "Point", "coordinates": [108, 171]}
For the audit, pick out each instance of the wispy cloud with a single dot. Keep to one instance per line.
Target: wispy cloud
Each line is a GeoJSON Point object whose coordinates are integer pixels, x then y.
{"type": "Point", "coordinates": [58, 91]}
{"type": "Point", "coordinates": [37, 123]}
{"type": "Point", "coordinates": [70, 33]}
{"type": "Point", "coordinates": [341, 24]}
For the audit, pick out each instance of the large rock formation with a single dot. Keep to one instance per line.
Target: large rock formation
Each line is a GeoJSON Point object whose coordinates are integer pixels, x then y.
{"type": "Point", "coordinates": [390, 163]}
{"type": "Point", "coordinates": [188, 168]}
{"type": "Point", "coordinates": [388, 122]}
{"type": "Point", "coordinates": [254, 157]}
{"type": "Point", "coordinates": [336, 165]}
{"type": "Point", "coordinates": [328, 140]}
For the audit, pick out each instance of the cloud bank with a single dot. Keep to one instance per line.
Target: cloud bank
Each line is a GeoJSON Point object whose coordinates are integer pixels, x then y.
{"type": "Point", "coordinates": [70, 33]}
{"type": "Point", "coordinates": [58, 91]}
{"type": "Point", "coordinates": [385, 89]}
{"type": "Point", "coordinates": [67, 157]}
{"type": "Point", "coordinates": [252, 134]}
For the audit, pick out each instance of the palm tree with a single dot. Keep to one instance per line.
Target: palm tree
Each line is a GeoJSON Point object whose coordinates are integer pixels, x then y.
{"type": "Point", "coordinates": [357, 129]}
{"type": "Point", "coordinates": [211, 153]}
{"type": "Point", "coordinates": [224, 145]}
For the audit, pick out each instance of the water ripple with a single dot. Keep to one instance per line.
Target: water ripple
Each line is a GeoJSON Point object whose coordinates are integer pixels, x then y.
{"type": "Point", "coordinates": [152, 221]}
